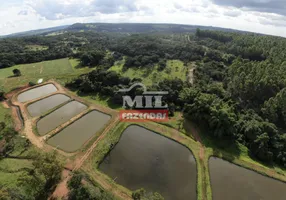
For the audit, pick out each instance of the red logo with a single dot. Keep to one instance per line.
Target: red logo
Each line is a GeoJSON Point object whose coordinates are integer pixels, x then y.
{"type": "Point", "coordinates": [143, 115]}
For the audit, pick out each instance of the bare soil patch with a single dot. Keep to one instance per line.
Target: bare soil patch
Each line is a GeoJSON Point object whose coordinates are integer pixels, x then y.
{"type": "Point", "coordinates": [62, 191]}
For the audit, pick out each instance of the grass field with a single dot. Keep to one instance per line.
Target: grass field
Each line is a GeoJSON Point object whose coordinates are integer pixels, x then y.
{"type": "Point", "coordinates": [13, 166]}
{"type": "Point", "coordinates": [174, 69]}
{"type": "Point", "coordinates": [56, 69]}
{"type": "Point", "coordinates": [11, 169]}
{"type": "Point", "coordinates": [36, 47]}
{"type": "Point", "coordinates": [3, 113]}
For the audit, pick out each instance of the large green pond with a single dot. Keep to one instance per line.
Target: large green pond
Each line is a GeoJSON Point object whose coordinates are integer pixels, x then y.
{"type": "Point", "coordinates": [145, 159]}
{"type": "Point", "coordinates": [75, 135]}
{"type": "Point", "coordinates": [42, 106]}
{"type": "Point", "coordinates": [59, 116]}
{"type": "Point", "coordinates": [231, 182]}
{"type": "Point", "coordinates": [37, 93]}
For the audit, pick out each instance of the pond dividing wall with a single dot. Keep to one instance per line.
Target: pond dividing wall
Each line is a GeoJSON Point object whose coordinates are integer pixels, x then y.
{"type": "Point", "coordinates": [145, 159]}
{"type": "Point", "coordinates": [75, 135]}
{"type": "Point", "coordinates": [44, 105]}
{"type": "Point", "coordinates": [229, 181]}
{"type": "Point", "coordinates": [59, 116]}
{"type": "Point", "coordinates": [36, 93]}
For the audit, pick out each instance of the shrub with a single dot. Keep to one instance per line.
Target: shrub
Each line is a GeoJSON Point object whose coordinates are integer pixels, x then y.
{"type": "Point", "coordinates": [32, 83]}
{"type": "Point", "coordinates": [2, 93]}
{"type": "Point", "coordinates": [17, 72]}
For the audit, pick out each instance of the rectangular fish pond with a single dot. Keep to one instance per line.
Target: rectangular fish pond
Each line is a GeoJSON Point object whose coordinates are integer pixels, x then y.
{"type": "Point", "coordinates": [229, 181]}
{"type": "Point", "coordinates": [75, 135]}
{"type": "Point", "coordinates": [37, 93]}
{"type": "Point", "coordinates": [59, 116]}
{"type": "Point", "coordinates": [44, 105]}
{"type": "Point", "coordinates": [145, 159]}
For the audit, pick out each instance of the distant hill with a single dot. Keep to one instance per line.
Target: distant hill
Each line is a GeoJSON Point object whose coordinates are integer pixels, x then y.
{"type": "Point", "coordinates": [141, 28]}
{"type": "Point", "coordinates": [37, 32]}
{"type": "Point", "coordinates": [121, 28]}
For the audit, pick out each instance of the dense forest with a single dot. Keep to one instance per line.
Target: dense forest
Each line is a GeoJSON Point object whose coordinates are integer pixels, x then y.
{"type": "Point", "coordinates": [237, 92]}
{"type": "Point", "coordinates": [239, 86]}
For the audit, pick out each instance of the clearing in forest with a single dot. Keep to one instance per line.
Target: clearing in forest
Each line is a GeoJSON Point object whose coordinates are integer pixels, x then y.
{"type": "Point", "coordinates": [150, 75]}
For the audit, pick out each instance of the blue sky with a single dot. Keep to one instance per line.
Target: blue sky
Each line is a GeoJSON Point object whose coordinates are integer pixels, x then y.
{"type": "Point", "coordinates": [263, 16]}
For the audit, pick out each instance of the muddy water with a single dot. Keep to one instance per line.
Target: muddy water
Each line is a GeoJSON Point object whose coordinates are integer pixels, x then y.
{"type": "Point", "coordinates": [37, 93]}
{"type": "Point", "coordinates": [230, 181]}
{"type": "Point", "coordinates": [144, 159]}
{"type": "Point", "coordinates": [59, 116]}
{"type": "Point", "coordinates": [41, 107]}
{"type": "Point", "coordinates": [75, 135]}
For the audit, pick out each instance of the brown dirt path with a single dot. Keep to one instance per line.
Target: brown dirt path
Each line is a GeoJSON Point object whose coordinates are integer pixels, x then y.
{"type": "Point", "coordinates": [5, 104]}
{"type": "Point", "coordinates": [9, 95]}
{"type": "Point", "coordinates": [62, 190]}
{"type": "Point", "coordinates": [28, 131]}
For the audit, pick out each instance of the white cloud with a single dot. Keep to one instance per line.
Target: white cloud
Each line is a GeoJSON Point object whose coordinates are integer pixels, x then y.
{"type": "Point", "coordinates": [267, 6]}
{"type": "Point", "coordinates": [272, 19]}
{"type": "Point", "coordinates": [232, 13]}
{"type": "Point", "coordinates": [55, 9]}
{"type": "Point", "coordinates": [23, 15]}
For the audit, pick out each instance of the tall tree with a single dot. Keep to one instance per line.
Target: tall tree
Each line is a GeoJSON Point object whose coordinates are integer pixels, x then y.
{"type": "Point", "coordinates": [40, 181]}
